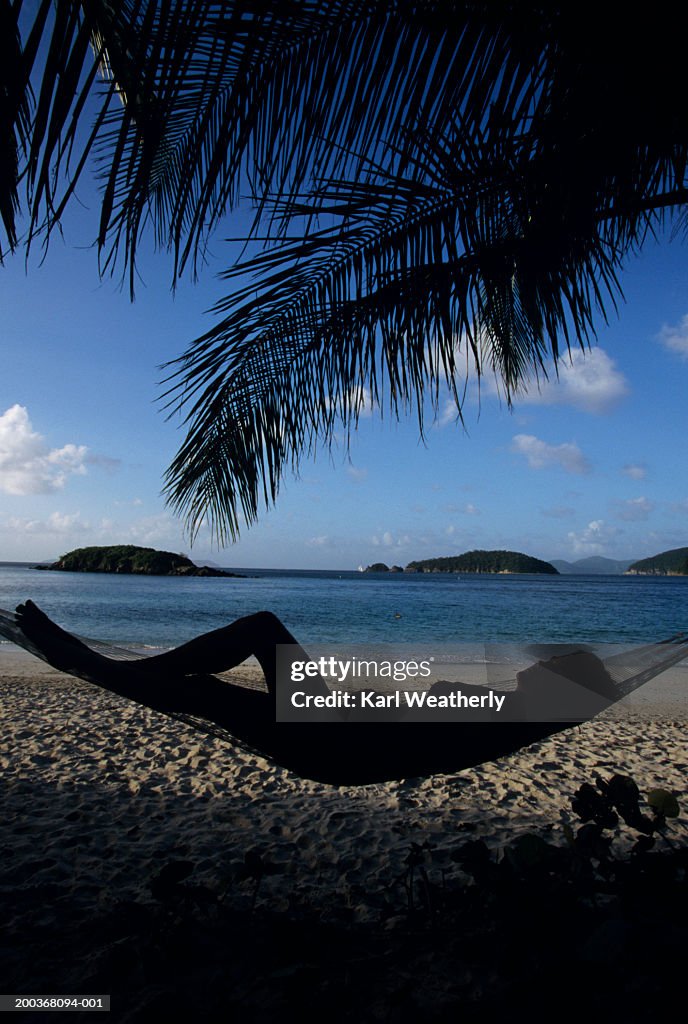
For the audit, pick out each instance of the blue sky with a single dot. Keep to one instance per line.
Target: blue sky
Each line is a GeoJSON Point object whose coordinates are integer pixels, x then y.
{"type": "Point", "coordinates": [592, 464]}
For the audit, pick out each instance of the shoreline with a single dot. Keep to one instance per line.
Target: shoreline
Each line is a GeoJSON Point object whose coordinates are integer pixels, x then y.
{"type": "Point", "coordinates": [100, 795]}
{"type": "Point", "coordinates": [51, 721]}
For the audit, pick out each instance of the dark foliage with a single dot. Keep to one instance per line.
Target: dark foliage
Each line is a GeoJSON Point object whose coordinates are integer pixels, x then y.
{"type": "Point", "coordinates": [674, 562]}
{"type": "Point", "coordinates": [513, 934]}
{"type": "Point", "coordinates": [484, 561]}
{"type": "Point", "coordinates": [444, 190]}
{"type": "Point", "coordinates": [122, 558]}
{"type": "Point", "coordinates": [130, 558]}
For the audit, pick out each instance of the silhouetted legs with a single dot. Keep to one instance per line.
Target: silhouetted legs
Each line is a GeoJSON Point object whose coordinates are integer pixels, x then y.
{"type": "Point", "coordinates": [256, 635]}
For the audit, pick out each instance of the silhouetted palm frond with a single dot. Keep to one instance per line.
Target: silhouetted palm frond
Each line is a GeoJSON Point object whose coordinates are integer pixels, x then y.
{"type": "Point", "coordinates": [201, 99]}
{"type": "Point", "coordinates": [444, 188]}
{"type": "Point", "coordinates": [15, 101]}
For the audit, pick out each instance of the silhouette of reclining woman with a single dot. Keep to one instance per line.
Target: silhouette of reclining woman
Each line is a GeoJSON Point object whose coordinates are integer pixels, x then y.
{"type": "Point", "coordinates": [180, 682]}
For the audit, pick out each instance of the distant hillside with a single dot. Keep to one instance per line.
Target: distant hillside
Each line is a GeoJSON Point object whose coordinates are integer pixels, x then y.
{"type": "Point", "coordinates": [129, 558]}
{"type": "Point", "coordinates": [484, 561]}
{"type": "Point", "coordinates": [667, 563]}
{"type": "Point", "coordinates": [593, 566]}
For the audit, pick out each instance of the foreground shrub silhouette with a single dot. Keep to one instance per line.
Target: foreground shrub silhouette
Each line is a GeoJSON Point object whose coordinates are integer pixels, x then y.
{"type": "Point", "coordinates": [598, 919]}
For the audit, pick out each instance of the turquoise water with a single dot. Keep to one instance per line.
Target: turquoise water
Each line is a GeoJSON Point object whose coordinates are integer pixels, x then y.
{"type": "Point", "coordinates": [322, 607]}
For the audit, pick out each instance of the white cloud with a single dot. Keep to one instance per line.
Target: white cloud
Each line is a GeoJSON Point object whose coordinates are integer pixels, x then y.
{"type": "Point", "coordinates": [56, 524]}
{"type": "Point", "coordinates": [156, 530]}
{"type": "Point", "coordinates": [635, 472]}
{"type": "Point", "coordinates": [27, 464]}
{"type": "Point", "coordinates": [588, 381]}
{"type": "Point", "coordinates": [357, 473]}
{"type": "Point", "coordinates": [633, 510]}
{"type": "Point", "coordinates": [24, 538]}
{"type": "Point", "coordinates": [359, 402]}
{"type": "Point", "coordinates": [449, 414]}
{"type": "Point", "coordinates": [317, 542]}
{"type": "Point", "coordinates": [365, 401]}
{"type": "Point", "coordinates": [388, 540]}
{"type": "Point", "coordinates": [675, 338]}
{"type": "Point", "coordinates": [541, 455]}
{"type": "Point", "coordinates": [594, 539]}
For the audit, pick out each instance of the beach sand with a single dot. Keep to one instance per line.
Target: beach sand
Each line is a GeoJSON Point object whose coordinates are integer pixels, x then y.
{"type": "Point", "coordinates": [105, 804]}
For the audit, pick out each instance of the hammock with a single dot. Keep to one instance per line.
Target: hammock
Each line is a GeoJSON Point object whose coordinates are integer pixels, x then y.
{"type": "Point", "coordinates": [352, 753]}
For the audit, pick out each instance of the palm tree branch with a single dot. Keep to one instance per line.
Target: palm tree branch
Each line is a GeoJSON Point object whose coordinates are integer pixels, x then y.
{"type": "Point", "coordinates": [211, 91]}
{"type": "Point", "coordinates": [379, 302]}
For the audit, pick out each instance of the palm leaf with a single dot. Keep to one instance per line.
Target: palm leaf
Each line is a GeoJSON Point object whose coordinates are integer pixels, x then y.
{"type": "Point", "coordinates": [415, 283]}
{"type": "Point", "coordinates": [220, 95]}
{"type": "Point", "coordinates": [442, 188]}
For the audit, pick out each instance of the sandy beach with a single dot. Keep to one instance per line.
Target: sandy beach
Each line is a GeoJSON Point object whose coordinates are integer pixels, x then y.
{"type": "Point", "coordinates": [103, 800]}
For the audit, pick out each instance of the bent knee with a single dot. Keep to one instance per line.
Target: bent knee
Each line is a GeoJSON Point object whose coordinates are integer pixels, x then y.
{"type": "Point", "coordinates": [264, 618]}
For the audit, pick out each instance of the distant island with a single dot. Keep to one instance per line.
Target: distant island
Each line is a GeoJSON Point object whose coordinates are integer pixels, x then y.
{"type": "Point", "coordinates": [131, 559]}
{"type": "Point", "coordinates": [484, 561]}
{"type": "Point", "coordinates": [503, 562]}
{"type": "Point", "coordinates": [667, 563]}
{"type": "Point", "coordinates": [593, 565]}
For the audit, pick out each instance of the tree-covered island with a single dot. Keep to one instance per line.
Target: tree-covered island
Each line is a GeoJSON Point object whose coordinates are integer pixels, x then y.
{"type": "Point", "coordinates": [504, 562]}
{"type": "Point", "coordinates": [131, 559]}
{"type": "Point", "coordinates": [667, 563]}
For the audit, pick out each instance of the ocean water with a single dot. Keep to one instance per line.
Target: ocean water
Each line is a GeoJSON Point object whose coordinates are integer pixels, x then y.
{"type": "Point", "coordinates": [352, 607]}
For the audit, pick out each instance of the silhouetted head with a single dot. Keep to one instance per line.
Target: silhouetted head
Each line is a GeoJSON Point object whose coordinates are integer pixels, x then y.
{"type": "Point", "coordinates": [581, 667]}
